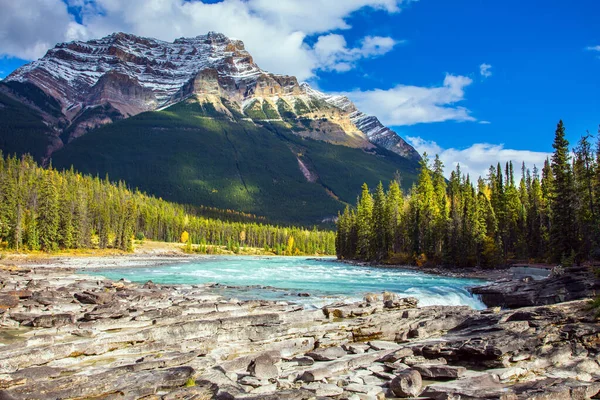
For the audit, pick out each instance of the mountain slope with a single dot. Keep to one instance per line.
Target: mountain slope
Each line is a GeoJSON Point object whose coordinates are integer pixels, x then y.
{"type": "Point", "coordinates": [127, 75]}
{"type": "Point", "coordinates": [192, 154]}
{"type": "Point", "coordinates": [197, 121]}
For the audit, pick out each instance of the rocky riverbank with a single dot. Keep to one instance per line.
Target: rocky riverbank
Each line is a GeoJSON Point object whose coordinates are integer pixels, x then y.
{"type": "Point", "coordinates": [487, 274]}
{"type": "Point", "coordinates": [71, 336]}
{"type": "Point", "coordinates": [571, 284]}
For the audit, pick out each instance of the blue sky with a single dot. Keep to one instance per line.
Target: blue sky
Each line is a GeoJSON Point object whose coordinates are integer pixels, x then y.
{"type": "Point", "coordinates": [415, 64]}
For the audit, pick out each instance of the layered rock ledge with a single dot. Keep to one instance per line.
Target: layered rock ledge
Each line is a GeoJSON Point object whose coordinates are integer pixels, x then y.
{"type": "Point", "coordinates": [71, 336]}
{"type": "Point", "coordinates": [571, 284]}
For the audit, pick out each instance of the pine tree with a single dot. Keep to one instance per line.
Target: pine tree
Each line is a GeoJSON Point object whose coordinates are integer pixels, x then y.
{"type": "Point", "coordinates": [562, 225]}
{"type": "Point", "coordinates": [427, 212]}
{"type": "Point", "coordinates": [441, 220]}
{"type": "Point", "coordinates": [584, 172]}
{"type": "Point", "coordinates": [394, 208]}
{"type": "Point", "coordinates": [48, 219]}
{"type": "Point", "coordinates": [66, 212]}
{"type": "Point", "coordinates": [364, 215]}
{"type": "Point", "coordinates": [535, 219]}
{"type": "Point", "coordinates": [379, 240]}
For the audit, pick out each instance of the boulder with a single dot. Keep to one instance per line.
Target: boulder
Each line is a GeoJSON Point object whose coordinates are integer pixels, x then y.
{"type": "Point", "coordinates": [8, 301]}
{"type": "Point", "coordinates": [303, 361]}
{"type": "Point", "coordinates": [110, 310]}
{"type": "Point", "coordinates": [439, 371]}
{"type": "Point", "coordinates": [326, 354]}
{"type": "Point", "coordinates": [372, 298]}
{"type": "Point", "coordinates": [21, 294]}
{"type": "Point", "coordinates": [407, 383]}
{"type": "Point", "coordinates": [263, 367]}
{"type": "Point", "coordinates": [53, 320]}
{"type": "Point", "coordinates": [88, 297]}
{"type": "Point", "coordinates": [383, 345]}
{"type": "Point", "coordinates": [393, 301]}
{"type": "Point", "coordinates": [485, 386]}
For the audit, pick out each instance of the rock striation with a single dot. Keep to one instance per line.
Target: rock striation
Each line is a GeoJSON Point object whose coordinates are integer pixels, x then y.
{"type": "Point", "coordinates": [571, 284]}
{"type": "Point", "coordinates": [97, 82]}
{"type": "Point", "coordinates": [70, 336]}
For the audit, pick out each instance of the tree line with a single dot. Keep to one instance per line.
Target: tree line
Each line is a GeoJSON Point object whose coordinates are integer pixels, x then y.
{"type": "Point", "coordinates": [552, 215]}
{"type": "Point", "coordinates": [45, 209]}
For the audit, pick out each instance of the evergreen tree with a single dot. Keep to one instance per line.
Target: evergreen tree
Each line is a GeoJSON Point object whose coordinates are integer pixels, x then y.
{"type": "Point", "coordinates": [394, 209]}
{"type": "Point", "coordinates": [364, 215]}
{"type": "Point", "coordinates": [563, 236]}
{"type": "Point", "coordinates": [48, 219]}
{"type": "Point", "coordinates": [379, 239]}
{"type": "Point", "coordinates": [584, 174]}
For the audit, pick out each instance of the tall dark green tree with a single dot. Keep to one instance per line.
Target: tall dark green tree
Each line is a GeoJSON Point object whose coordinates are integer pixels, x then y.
{"type": "Point", "coordinates": [563, 234]}
{"type": "Point", "coordinates": [584, 173]}
{"type": "Point", "coordinates": [364, 217]}
{"type": "Point", "coordinates": [49, 219]}
{"type": "Point", "coordinates": [457, 223]}
{"type": "Point", "coordinates": [379, 242]}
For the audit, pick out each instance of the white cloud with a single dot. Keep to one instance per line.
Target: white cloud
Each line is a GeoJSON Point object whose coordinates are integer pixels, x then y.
{"type": "Point", "coordinates": [29, 30]}
{"type": "Point", "coordinates": [593, 48]}
{"type": "Point", "coordinates": [409, 105]}
{"type": "Point", "coordinates": [274, 31]}
{"type": "Point", "coordinates": [333, 54]}
{"type": "Point", "coordinates": [485, 70]}
{"type": "Point", "coordinates": [476, 159]}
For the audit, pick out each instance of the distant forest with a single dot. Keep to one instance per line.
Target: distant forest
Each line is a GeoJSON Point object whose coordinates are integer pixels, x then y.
{"type": "Point", "coordinates": [45, 209]}
{"type": "Point", "coordinates": [552, 215]}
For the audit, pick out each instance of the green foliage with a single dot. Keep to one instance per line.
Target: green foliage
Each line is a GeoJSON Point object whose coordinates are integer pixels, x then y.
{"type": "Point", "coordinates": [254, 110]}
{"type": "Point", "coordinates": [285, 110]}
{"type": "Point", "coordinates": [562, 226]}
{"type": "Point", "coordinates": [186, 155]}
{"type": "Point", "coordinates": [68, 210]}
{"type": "Point", "coordinates": [190, 382]}
{"type": "Point", "coordinates": [22, 129]}
{"type": "Point", "coordinates": [269, 111]}
{"type": "Point", "coordinates": [300, 107]}
{"type": "Point", "coordinates": [552, 218]}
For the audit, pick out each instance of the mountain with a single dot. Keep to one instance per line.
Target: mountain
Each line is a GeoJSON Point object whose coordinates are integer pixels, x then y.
{"type": "Point", "coordinates": [197, 121]}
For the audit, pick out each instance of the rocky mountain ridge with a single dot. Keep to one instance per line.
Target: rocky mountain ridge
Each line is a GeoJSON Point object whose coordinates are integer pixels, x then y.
{"type": "Point", "coordinates": [78, 86]}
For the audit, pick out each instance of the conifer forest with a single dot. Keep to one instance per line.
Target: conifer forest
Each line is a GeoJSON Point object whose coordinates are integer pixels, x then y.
{"type": "Point", "coordinates": [46, 209]}
{"type": "Point", "coordinates": [549, 215]}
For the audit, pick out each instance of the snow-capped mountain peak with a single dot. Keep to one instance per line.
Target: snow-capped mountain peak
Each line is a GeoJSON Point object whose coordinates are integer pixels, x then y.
{"type": "Point", "coordinates": [128, 74]}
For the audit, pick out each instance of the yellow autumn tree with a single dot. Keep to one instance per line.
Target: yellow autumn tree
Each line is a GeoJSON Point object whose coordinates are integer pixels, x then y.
{"type": "Point", "coordinates": [185, 236]}
{"type": "Point", "coordinates": [290, 246]}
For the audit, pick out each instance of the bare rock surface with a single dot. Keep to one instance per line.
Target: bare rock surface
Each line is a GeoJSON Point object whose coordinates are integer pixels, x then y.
{"type": "Point", "coordinates": [572, 284]}
{"type": "Point", "coordinates": [71, 336]}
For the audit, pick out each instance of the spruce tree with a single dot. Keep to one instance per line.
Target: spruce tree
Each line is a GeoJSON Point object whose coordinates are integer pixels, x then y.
{"type": "Point", "coordinates": [584, 173]}
{"type": "Point", "coordinates": [393, 216]}
{"type": "Point", "coordinates": [48, 220]}
{"type": "Point", "coordinates": [562, 225]}
{"type": "Point", "coordinates": [364, 215]}
{"type": "Point", "coordinates": [379, 240]}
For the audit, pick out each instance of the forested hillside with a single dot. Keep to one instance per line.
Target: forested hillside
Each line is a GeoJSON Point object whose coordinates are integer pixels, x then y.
{"type": "Point", "coordinates": [192, 154]}
{"type": "Point", "coordinates": [46, 209]}
{"type": "Point", "coordinates": [552, 215]}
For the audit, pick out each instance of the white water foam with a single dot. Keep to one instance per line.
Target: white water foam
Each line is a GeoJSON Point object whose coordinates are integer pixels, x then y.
{"type": "Point", "coordinates": [325, 279]}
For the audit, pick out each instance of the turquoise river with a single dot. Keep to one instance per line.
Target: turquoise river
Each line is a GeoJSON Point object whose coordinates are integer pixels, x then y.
{"type": "Point", "coordinates": [283, 278]}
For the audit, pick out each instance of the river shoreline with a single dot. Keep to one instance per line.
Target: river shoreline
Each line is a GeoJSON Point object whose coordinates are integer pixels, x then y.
{"type": "Point", "coordinates": [144, 259]}
{"type": "Point", "coordinates": [66, 335]}
{"type": "Point", "coordinates": [493, 274]}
